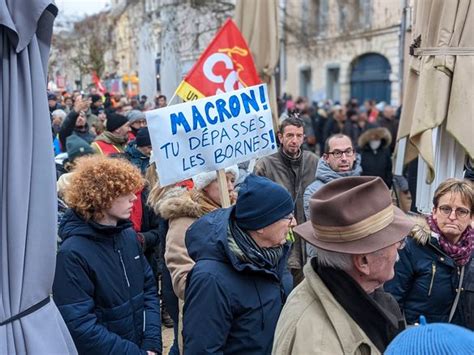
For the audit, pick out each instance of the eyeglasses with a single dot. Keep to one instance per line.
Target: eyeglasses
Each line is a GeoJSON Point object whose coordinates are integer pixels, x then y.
{"type": "Point", "coordinates": [460, 212]}
{"type": "Point", "coordinates": [140, 122]}
{"type": "Point", "coordinates": [338, 153]}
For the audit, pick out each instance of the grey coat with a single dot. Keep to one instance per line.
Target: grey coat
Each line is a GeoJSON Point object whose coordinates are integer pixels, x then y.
{"type": "Point", "coordinates": [325, 174]}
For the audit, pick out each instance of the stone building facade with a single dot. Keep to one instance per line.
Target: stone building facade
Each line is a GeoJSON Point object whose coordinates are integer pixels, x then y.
{"type": "Point", "coordinates": [338, 49]}
{"type": "Point", "coordinates": [147, 45]}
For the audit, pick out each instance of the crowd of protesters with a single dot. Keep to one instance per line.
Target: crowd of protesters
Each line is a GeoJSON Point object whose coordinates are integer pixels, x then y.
{"type": "Point", "coordinates": [316, 255]}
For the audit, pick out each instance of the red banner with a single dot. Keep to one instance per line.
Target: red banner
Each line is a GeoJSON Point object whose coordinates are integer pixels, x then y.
{"type": "Point", "coordinates": [98, 84]}
{"type": "Point", "coordinates": [225, 65]}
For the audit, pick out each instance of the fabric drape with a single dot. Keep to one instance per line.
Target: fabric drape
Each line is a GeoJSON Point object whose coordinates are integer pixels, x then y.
{"type": "Point", "coordinates": [439, 84]}
{"type": "Point", "coordinates": [29, 320]}
{"type": "Point", "coordinates": [258, 22]}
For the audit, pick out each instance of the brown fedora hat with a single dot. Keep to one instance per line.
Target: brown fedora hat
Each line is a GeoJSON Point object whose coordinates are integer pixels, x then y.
{"type": "Point", "coordinates": [354, 215]}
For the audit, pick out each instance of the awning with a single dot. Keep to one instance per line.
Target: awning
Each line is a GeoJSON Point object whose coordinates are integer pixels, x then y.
{"type": "Point", "coordinates": [439, 87]}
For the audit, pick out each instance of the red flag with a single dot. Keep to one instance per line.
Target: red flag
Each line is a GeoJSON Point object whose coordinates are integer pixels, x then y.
{"type": "Point", "coordinates": [225, 65]}
{"type": "Point", "coordinates": [98, 83]}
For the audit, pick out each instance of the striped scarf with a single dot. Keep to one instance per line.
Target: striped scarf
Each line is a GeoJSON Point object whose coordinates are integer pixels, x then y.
{"type": "Point", "coordinates": [247, 250]}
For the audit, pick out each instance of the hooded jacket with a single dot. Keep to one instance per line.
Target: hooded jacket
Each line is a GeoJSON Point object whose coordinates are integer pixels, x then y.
{"type": "Point", "coordinates": [136, 157]}
{"type": "Point", "coordinates": [325, 174]}
{"type": "Point", "coordinates": [107, 144]}
{"type": "Point", "coordinates": [231, 307]}
{"type": "Point", "coordinates": [426, 280]}
{"type": "Point", "coordinates": [376, 162]}
{"type": "Point", "coordinates": [105, 289]}
{"type": "Point", "coordinates": [180, 209]}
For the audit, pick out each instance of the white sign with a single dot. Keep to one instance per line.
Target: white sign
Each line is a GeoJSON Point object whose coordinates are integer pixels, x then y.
{"type": "Point", "coordinates": [211, 133]}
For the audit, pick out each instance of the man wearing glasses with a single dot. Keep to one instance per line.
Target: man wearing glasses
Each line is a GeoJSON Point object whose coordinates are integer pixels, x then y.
{"type": "Point", "coordinates": [339, 160]}
{"type": "Point", "coordinates": [240, 280]}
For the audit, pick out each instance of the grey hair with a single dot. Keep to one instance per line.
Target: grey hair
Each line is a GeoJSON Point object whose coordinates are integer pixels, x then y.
{"type": "Point", "coordinates": [59, 113]}
{"type": "Point", "coordinates": [334, 259]}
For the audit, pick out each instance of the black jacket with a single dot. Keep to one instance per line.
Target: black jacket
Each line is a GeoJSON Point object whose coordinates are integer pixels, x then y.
{"type": "Point", "coordinates": [69, 127]}
{"type": "Point", "coordinates": [105, 289]}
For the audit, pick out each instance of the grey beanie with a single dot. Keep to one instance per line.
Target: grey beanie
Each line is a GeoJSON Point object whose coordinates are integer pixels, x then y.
{"type": "Point", "coordinates": [135, 115]}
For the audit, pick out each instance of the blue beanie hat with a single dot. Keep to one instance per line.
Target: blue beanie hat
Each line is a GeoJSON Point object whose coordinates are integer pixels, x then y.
{"type": "Point", "coordinates": [143, 137]}
{"type": "Point", "coordinates": [433, 339]}
{"type": "Point", "coordinates": [261, 202]}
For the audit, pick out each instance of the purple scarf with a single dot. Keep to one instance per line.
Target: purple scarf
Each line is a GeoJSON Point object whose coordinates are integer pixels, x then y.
{"type": "Point", "coordinates": [462, 250]}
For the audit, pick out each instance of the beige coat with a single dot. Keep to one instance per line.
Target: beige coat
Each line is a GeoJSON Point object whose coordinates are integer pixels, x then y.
{"type": "Point", "coordinates": [179, 208]}
{"type": "Point", "coordinates": [313, 322]}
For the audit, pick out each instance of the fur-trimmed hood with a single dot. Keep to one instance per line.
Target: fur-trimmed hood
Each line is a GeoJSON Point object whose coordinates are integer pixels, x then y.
{"type": "Point", "coordinates": [179, 202]}
{"type": "Point", "coordinates": [381, 133]}
{"type": "Point", "coordinates": [421, 232]}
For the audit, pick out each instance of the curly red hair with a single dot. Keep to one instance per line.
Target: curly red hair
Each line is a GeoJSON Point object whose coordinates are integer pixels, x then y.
{"type": "Point", "coordinates": [97, 181]}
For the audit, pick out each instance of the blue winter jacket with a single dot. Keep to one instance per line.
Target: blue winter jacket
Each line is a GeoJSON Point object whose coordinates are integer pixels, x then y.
{"type": "Point", "coordinates": [136, 157]}
{"type": "Point", "coordinates": [231, 307]}
{"type": "Point", "coordinates": [105, 289]}
{"type": "Point", "coordinates": [425, 284]}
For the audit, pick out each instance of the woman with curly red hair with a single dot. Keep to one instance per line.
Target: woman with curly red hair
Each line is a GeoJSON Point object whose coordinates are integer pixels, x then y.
{"type": "Point", "coordinates": [103, 286]}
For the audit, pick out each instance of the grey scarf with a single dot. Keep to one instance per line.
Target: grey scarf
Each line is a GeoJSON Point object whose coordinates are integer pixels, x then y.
{"type": "Point", "coordinates": [247, 250]}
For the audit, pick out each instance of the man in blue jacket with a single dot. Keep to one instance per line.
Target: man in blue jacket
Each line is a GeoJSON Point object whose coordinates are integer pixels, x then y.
{"type": "Point", "coordinates": [103, 286]}
{"type": "Point", "coordinates": [240, 281]}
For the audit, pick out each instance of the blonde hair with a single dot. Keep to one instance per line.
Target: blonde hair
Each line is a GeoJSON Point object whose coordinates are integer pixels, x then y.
{"type": "Point", "coordinates": [97, 181]}
{"type": "Point", "coordinates": [462, 187]}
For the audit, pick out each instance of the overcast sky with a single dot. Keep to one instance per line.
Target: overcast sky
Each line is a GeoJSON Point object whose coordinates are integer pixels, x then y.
{"type": "Point", "coordinates": [81, 7]}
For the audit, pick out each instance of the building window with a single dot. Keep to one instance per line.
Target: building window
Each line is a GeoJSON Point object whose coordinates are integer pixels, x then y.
{"type": "Point", "coordinates": [305, 82]}
{"type": "Point", "coordinates": [305, 19]}
{"type": "Point", "coordinates": [332, 83]}
{"type": "Point", "coordinates": [323, 12]}
{"type": "Point", "coordinates": [354, 14]}
{"type": "Point", "coordinates": [365, 14]}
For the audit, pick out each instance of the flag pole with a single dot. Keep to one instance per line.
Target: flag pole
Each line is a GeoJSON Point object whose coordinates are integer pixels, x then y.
{"type": "Point", "coordinates": [172, 98]}
{"type": "Point", "coordinates": [223, 192]}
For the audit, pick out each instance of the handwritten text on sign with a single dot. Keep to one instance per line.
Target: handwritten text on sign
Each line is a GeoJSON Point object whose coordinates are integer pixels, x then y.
{"type": "Point", "coordinates": [211, 133]}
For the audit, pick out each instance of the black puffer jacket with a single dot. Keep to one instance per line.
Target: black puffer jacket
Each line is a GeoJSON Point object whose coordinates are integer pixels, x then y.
{"type": "Point", "coordinates": [105, 289]}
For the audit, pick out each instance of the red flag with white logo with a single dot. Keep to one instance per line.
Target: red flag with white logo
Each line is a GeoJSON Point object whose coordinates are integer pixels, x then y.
{"type": "Point", "coordinates": [224, 66]}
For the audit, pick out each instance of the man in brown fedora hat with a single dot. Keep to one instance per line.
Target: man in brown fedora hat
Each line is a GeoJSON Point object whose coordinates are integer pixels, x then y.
{"type": "Point", "coordinates": [340, 307]}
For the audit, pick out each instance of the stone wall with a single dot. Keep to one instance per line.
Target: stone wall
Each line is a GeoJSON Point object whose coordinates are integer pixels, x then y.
{"type": "Point", "coordinates": [375, 29]}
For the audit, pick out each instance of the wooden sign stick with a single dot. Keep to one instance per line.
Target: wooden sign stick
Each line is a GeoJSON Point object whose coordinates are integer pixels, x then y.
{"type": "Point", "coordinates": [224, 193]}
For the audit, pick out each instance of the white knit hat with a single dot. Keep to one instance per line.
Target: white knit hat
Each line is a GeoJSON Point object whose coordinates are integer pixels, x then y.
{"type": "Point", "coordinates": [203, 179]}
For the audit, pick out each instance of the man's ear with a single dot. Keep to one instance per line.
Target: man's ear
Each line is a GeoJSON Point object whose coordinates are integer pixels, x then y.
{"type": "Point", "coordinates": [280, 137]}
{"type": "Point", "coordinates": [325, 156]}
{"type": "Point", "coordinates": [361, 263]}
{"type": "Point", "coordinates": [256, 233]}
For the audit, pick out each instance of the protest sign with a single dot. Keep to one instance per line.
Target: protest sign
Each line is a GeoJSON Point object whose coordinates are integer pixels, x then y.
{"type": "Point", "coordinates": [211, 133]}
